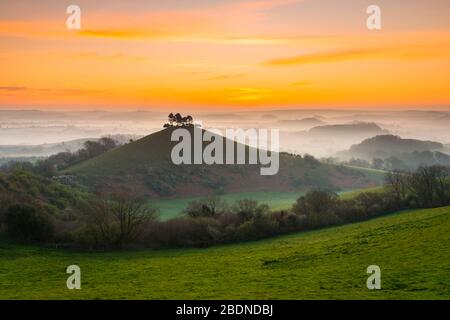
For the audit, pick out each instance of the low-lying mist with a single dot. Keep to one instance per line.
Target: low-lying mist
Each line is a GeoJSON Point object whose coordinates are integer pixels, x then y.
{"type": "Point", "coordinates": [321, 133]}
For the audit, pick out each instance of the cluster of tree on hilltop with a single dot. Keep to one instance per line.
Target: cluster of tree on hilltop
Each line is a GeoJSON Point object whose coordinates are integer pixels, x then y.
{"type": "Point", "coordinates": [177, 120]}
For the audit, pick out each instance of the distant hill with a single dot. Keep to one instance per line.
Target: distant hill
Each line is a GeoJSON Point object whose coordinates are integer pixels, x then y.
{"type": "Point", "coordinates": [145, 167]}
{"type": "Point", "coordinates": [384, 146]}
{"type": "Point", "coordinates": [41, 150]}
{"type": "Point", "coordinates": [48, 149]}
{"type": "Point", "coordinates": [302, 124]}
{"type": "Point", "coordinates": [348, 130]}
{"type": "Point", "coordinates": [446, 149]}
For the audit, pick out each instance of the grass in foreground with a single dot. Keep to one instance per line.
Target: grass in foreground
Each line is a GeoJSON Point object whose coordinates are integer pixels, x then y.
{"type": "Point", "coordinates": [412, 249]}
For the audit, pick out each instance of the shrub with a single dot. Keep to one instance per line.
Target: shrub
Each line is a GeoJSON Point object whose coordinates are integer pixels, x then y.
{"type": "Point", "coordinates": [260, 226]}
{"type": "Point", "coordinates": [209, 207]}
{"type": "Point", "coordinates": [24, 223]}
{"type": "Point", "coordinates": [183, 232]}
{"type": "Point", "coordinates": [247, 209]}
{"type": "Point", "coordinates": [115, 221]}
{"type": "Point", "coordinates": [370, 202]}
{"type": "Point", "coordinates": [289, 221]}
{"type": "Point", "coordinates": [319, 207]}
{"type": "Point", "coordinates": [348, 211]}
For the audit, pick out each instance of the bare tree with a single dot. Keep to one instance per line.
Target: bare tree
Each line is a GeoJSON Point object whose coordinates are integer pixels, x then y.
{"type": "Point", "coordinates": [430, 186]}
{"type": "Point", "coordinates": [130, 214]}
{"type": "Point", "coordinates": [100, 222]}
{"type": "Point", "coordinates": [442, 176]}
{"type": "Point", "coordinates": [119, 218]}
{"type": "Point", "coordinates": [397, 181]}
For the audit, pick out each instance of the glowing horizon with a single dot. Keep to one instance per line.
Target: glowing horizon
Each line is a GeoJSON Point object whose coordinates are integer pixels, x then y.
{"type": "Point", "coordinates": [248, 54]}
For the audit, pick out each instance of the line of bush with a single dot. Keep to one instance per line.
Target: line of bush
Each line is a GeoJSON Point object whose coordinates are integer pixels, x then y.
{"type": "Point", "coordinates": [121, 220]}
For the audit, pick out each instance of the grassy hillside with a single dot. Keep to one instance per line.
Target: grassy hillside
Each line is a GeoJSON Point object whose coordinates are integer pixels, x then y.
{"type": "Point", "coordinates": [412, 249]}
{"type": "Point", "coordinates": [26, 187]}
{"type": "Point", "coordinates": [375, 175]}
{"type": "Point", "coordinates": [145, 167]}
{"type": "Point", "coordinates": [384, 146]}
{"type": "Point", "coordinates": [152, 149]}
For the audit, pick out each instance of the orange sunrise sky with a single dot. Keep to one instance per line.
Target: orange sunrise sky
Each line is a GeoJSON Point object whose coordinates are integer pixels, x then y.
{"type": "Point", "coordinates": [224, 54]}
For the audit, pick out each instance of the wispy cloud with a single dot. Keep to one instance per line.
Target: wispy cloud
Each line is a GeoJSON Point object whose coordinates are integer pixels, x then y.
{"type": "Point", "coordinates": [205, 23]}
{"type": "Point", "coordinates": [196, 73]}
{"type": "Point", "coordinates": [122, 34]}
{"type": "Point", "coordinates": [228, 76]}
{"type": "Point", "coordinates": [108, 57]}
{"type": "Point", "coordinates": [251, 94]}
{"type": "Point", "coordinates": [53, 91]}
{"type": "Point", "coordinates": [322, 57]}
{"type": "Point", "coordinates": [69, 91]}
{"type": "Point", "coordinates": [12, 88]}
{"type": "Point", "coordinates": [302, 83]}
{"type": "Point", "coordinates": [403, 52]}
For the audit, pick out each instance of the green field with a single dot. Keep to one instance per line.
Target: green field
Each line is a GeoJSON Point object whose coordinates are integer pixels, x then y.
{"type": "Point", "coordinates": [411, 247]}
{"type": "Point", "coordinates": [170, 208]}
{"type": "Point", "coordinates": [353, 193]}
{"type": "Point", "coordinates": [375, 175]}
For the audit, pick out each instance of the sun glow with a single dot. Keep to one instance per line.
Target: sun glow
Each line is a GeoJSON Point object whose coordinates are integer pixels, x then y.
{"type": "Point", "coordinates": [229, 54]}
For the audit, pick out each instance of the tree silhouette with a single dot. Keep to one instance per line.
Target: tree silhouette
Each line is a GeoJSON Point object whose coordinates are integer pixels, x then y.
{"type": "Point", "coordinates": [188, 120]}
{"type": "Point", "coordinates": [171, 119]}
{"type": "Point", "coordinates": [178, 120]}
